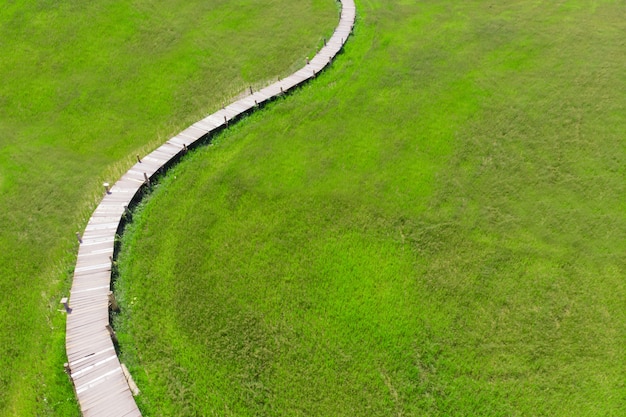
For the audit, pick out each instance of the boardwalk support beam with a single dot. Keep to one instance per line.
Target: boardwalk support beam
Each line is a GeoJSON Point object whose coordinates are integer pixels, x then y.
{"type": "Point", "coordinates": [131, 383]}
{"type": "Point", "coordinates": [111, 333]}
{"type": "Point", "coordinates": [113, 302]}
{"type": "Point", "coordinates": [66, 305]}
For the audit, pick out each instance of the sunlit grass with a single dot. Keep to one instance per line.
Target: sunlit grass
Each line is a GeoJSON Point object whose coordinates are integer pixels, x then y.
{"type": "Point", "coordinates": [433, 227]}
{"type": "Point", "coordinates": [86, 86]}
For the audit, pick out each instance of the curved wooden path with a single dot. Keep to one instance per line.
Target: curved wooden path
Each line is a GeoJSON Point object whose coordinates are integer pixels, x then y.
{"type": "Point", "coordinates": [99, 379]}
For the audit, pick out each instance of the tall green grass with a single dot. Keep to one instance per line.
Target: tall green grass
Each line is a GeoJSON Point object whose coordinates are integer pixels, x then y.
{"type": "Point", "coordinates": [433, 227]}
{"type": "Point", "coordinates": [85, 86]}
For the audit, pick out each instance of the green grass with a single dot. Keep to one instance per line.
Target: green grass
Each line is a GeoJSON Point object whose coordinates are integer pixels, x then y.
{"type": "Point", "coordinates": [433, 227]}
{"type": "Point", "coordinates": [85, 87]}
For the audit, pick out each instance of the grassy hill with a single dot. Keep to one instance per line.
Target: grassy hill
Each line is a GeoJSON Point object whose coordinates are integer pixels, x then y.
{"type": "Point", "coordinates": [435, 226]}
{"type": "Point", "coordinates": [85, 87]}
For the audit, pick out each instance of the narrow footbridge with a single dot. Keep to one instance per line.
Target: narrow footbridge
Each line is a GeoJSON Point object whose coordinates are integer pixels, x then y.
{"type": "Point", "coordinates": [101, 382]}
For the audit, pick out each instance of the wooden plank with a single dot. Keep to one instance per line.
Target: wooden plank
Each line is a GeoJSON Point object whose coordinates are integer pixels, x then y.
{"type": "Point", "coordinates": [94, 294]}
{"type": "Point", "coordinates": [92, 226]}
{"type": "Point", "coordinates": [89, 332]}
{"type": "Point", "coordinates": [97, 380]}
{"type": "Point", "coordinates": [96, 399]}
{"type": "Point", "coordinates": [89, 322]}
{"type": "Point", "coordinates": [88, 286]}
{"type": "Point", "coordinates": [203, 124]}
{"type": "Point", "coordinates": [99, 248]}
{"type": "Point", "coordinates": [194, 132]}
{"type": "Point", "coordinates": [91, 359]}
{"type": "Point", "coordinates": [87, 345]}
{"type": "Point", "coordinates": [111, 207]}
{"type": "Point", "coordinates": [162, 155]}
{"type": "Point", "coordinates": [104, 366]}
{"type": "Point", "coordinates": [178, 141]}
{"type": "Point", "coordinates": [87, 348]}
{"type": "Point", "coordinates": [74, 293]}
{"type": "Point", "coordinates": [92, 279]}
{"type": "Point", "coordinates": [216, 118]}
{"type": "Point", "coordinates": [262, 95]}
{"type": "Point", "coordinates": [99, 278]}
{"type": "Point", "coordinates": [230, 113]}
{"type": "Point", "coordinates": [151, 163]}
{"type": "Point", "coordinates": [99, 258]}
{"type": "Point", "coordinates": [271, 91]}
{"type": "Point", "coordinates": [170, 148]}
{"type": "Point", "coordinates": [238, 107]}
{"type": "Point", "coordinates": [84, 282]}
{"type": "Point", "coordinates": [124, 404]}
{"type": "Point", "coordinates": [109, 400]}
{"type": "Point", "coordinates": [95, 394]}
{"type": "Point", "coordinates": [104, 393]}
{"type": "Point", "coordinates": [83, 302]}
{"type": "Point", "coordinates": [96, 241]}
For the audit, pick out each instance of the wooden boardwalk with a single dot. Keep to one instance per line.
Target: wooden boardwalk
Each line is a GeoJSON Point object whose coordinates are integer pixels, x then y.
{"type": "Point", "coordinates": [99, 379]}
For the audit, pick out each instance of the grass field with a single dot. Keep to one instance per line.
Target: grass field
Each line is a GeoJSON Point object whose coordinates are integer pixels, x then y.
{"type": "Point", "coordinates": [85, 87]}
{"type": "Point", "coordinates": [435, 226]}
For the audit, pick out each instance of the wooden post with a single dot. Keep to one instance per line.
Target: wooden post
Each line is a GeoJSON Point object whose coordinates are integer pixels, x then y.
{"type": "Point", "coordinates": [126, 211]}
{"type": "Point", "coordinates": [324, 41]}
{"type": "Point", "coordinates": [111, 333]}
{"type": "Point", "coordinates": [281, 89]}
{"type": "Point", "coordinates": [131, 383]}
{"type": "Point", "coordinates": [107, 187]}
{"type": "Point", "coordinates": [67, 369]}
{"type": "Point", "coordinates": [307, 60]}
{"type": "Point", "coordinates": [250, 89]}
{"type": "Point", "coordinates": [80, 239]}
{"type": "Point", "coordinates": [138, 158]}
{"type": "Point", "coordinates": [146, 180]}
{"type": "Point", "coordinates": [185, 147]}
{"type": "Point", "coordinates": [256, 104]}
{"type": "Point", "coordinates": [66, 305]}
{"type": "Point", "coordinates": [113, 302]}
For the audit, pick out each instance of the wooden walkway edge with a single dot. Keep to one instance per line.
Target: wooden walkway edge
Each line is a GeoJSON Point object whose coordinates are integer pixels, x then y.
{"type": "Point", "coordinates": [99, 380]}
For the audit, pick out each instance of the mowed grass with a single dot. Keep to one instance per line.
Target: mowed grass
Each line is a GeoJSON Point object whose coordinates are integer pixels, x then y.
{"type": "Point", "coordinates": [435, 226]}
{"type": "Point", "coordinates": [86, 86]}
